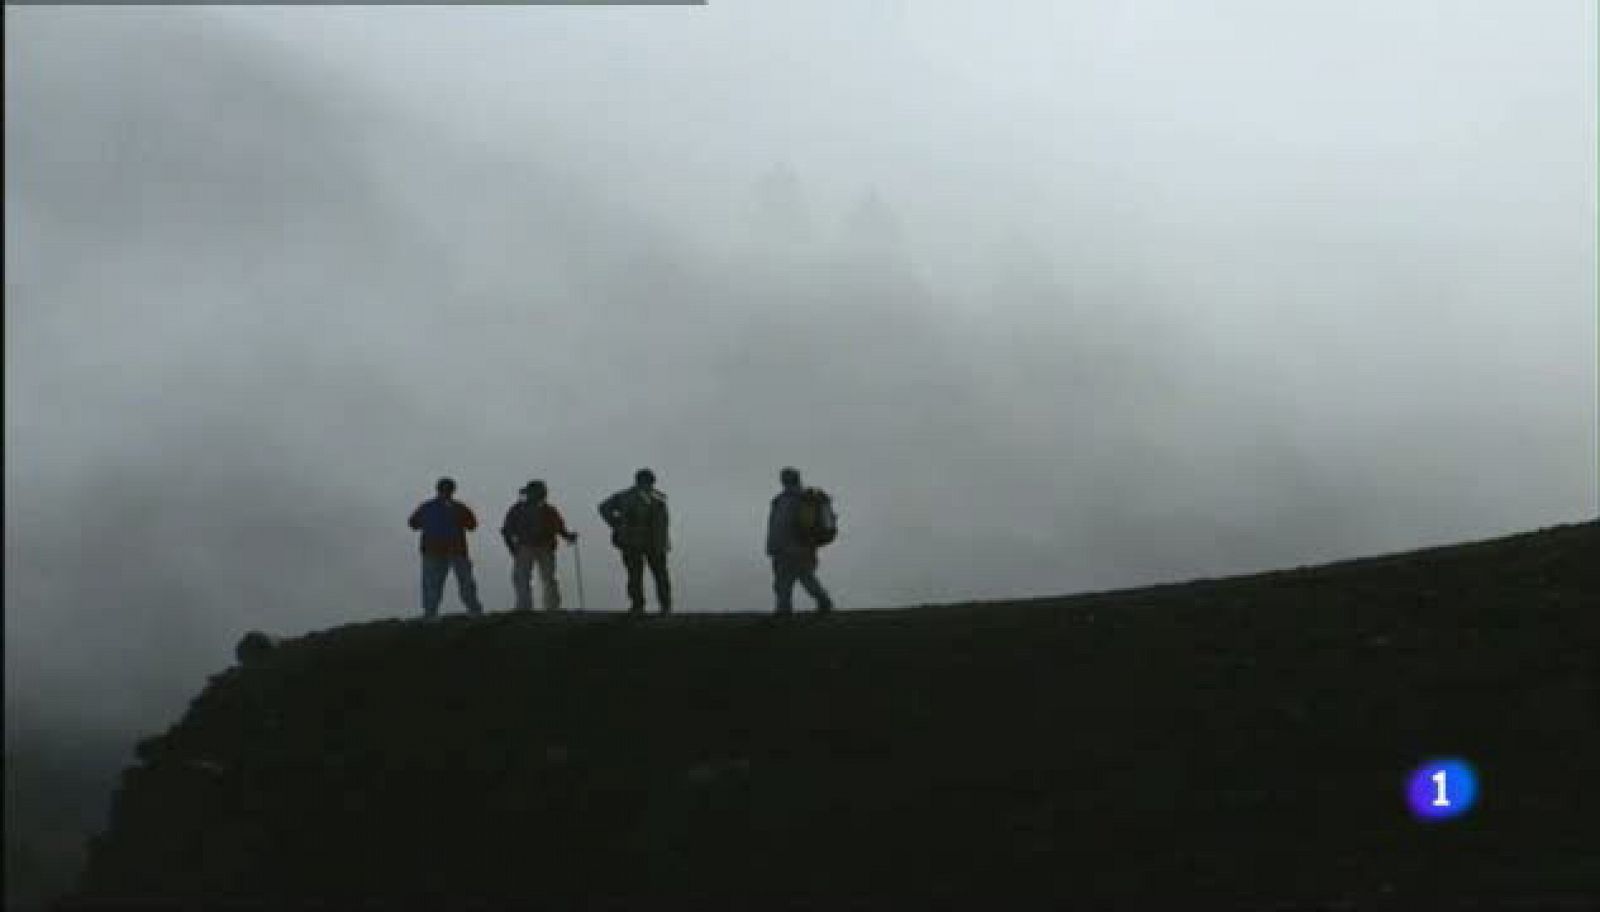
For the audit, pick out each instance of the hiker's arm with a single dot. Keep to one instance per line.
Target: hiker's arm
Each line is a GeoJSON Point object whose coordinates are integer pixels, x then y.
{"type": "Point", "coordinates": [468, 520]}
{"type": "Point", "coordinates": [416, 519]}
{"type": "Point", "coordinates": [561, 526]}
{"type": "Point", "coordinates": [506, 531]}
{"type": "Point", "coordinates": [781, 527]}
{"type": "Point", "coordinates": [608, 509]}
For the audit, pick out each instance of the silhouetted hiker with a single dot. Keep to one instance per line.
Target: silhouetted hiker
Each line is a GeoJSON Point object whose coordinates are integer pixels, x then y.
{"type": "Point", "coordinates": [801, 521]}
{"type": "Point", "coordinates": [638, 520]}
{"type": "Point", "coordinates": [530, 530]}
{"type": "Point", "coordinates": [444, 522]}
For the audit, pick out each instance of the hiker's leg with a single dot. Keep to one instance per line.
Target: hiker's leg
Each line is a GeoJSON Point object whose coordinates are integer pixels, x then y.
{"type": "Point", "coordinates": [658, 570]}
{"type": "Point", "coordinates": [462, 565]}
{"type": "Point", "coordinates": [433, 573]}
{"type": "Point", "coordinates": [633, 561]}
{"type": "Point", "coordinates": [545, 559]}
{"type": "Point", "coordinates": [783, 584]}
{"type": "Point", "coordinates": [813, 586]}
{"type": "Point", "coordinates": [521, 578]}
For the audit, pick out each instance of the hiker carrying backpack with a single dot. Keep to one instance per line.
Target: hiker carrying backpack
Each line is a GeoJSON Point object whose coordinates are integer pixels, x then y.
{"type": "Point", "coordinates": [638, 520]}
{"type": "Point", "coordinates": [530, 531]}
{"type": "Point", "coordinates": [801, 521]}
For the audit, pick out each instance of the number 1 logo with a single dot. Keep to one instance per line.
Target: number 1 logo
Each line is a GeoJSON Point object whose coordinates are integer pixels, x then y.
{"type": "Point", "coordinates": [1443, 788]}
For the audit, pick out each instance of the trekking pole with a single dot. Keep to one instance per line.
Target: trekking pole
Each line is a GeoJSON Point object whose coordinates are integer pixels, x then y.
{"type": "Point", "coordinates": [577, 565]}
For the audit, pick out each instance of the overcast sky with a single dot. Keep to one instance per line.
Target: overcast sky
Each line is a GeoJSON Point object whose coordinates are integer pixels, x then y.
{"type": "Point", "coordinates": [1074, 296]}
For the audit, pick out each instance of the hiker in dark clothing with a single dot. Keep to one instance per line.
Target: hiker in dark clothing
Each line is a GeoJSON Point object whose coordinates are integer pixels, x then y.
{"type": "Point", "coordinates": [530, 531]}
{"type": "Point", "coordinates": [444, 523]}
{"type": "Point", "coordinates": [638, 520]}
{"type": "Point", "coordinates": [793, 553]}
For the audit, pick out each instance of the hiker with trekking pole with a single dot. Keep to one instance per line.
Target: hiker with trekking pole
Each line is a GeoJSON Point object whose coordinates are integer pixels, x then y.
{"type": "Point", "coordinates": [530, 530]}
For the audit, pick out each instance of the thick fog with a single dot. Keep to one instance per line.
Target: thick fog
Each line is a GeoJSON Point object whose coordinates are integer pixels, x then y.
{"type": "Point", "coordinates": [1069, 297]}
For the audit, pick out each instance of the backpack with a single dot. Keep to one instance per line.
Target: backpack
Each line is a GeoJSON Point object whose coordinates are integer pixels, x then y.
{"type": "Point", "coordinates": [815, 522]}
{"type": "Point", "coordinates": [641, 514]}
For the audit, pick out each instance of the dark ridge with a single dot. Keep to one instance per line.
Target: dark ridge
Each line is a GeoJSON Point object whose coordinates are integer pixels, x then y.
{"type": "Point", "coordinates": [1242, 740]}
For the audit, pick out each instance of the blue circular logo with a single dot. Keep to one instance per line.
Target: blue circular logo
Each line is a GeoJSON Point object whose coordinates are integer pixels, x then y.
{"type": "Point", "coordinates": [1443, 788]}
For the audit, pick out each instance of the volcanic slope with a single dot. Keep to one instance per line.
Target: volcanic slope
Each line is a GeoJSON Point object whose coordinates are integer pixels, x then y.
{"type": "Point", "coordinates": [1242, 739]}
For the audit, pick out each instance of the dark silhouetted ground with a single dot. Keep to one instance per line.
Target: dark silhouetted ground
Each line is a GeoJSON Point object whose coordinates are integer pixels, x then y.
{"type": "Point", "coordinates": [1242, 740]}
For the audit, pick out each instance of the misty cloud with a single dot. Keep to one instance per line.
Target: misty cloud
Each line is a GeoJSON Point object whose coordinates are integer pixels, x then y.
{"type": "Point", "coordinates": [1108, 299]}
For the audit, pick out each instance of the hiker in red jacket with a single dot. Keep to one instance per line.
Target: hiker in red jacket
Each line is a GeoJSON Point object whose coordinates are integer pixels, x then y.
{"type": "Point", "coordinates": [530, 531]}
{"type": "Point", "coordinates": [444, 523]}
